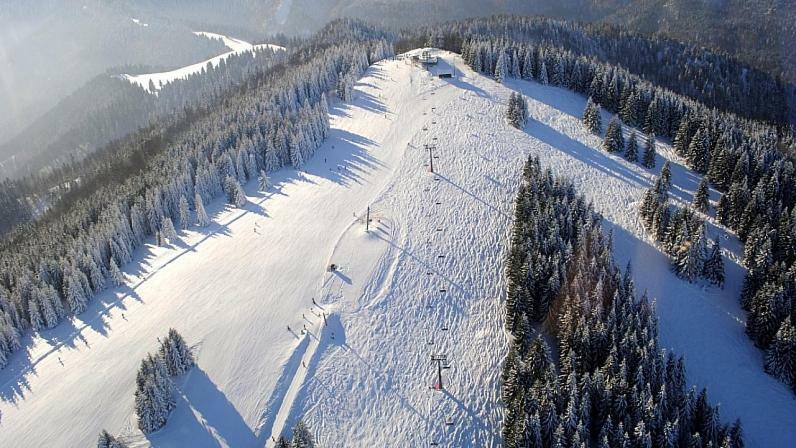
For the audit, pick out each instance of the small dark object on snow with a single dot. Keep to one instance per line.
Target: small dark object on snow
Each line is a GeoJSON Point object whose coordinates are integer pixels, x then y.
{"type": "Point", "coordinates": [332, 267]}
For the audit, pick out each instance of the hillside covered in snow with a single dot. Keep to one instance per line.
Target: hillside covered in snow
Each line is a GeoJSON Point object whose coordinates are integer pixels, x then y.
{"type": "Point", "coordinates": [279, 336]}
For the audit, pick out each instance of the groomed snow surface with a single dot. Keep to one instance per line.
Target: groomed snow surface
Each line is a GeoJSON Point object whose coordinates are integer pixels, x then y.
{"type": "Point", "coordinates": [160, 79]}
{"type": "Point", "coordinates": [426, 279]}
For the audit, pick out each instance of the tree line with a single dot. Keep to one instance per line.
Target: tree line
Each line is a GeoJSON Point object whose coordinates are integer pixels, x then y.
{"type": "Point", "coordinates": [609, 383]}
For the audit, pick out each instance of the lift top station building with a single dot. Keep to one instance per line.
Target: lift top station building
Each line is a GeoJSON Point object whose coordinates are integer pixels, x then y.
{"type": "Point", "coordinates": [426, 59]}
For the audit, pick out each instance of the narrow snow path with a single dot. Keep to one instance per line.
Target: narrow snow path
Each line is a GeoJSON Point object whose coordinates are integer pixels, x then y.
{"type": "Point", "coordinates": [160, 79]}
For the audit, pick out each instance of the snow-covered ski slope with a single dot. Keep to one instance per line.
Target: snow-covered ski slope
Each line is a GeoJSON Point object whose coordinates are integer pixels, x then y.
{"type": "Point", "coordinates": [236, 46]}
{"type": "Point", "coordinates": [426, 279]}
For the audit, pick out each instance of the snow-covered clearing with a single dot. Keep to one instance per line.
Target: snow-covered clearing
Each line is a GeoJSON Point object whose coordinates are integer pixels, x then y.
{"type": "Point", "coordinates": [160, 79]}
{"type": "Point", "coordinates": [426, 279]}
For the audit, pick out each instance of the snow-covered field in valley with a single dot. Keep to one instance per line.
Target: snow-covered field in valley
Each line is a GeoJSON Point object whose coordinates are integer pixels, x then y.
{"type": "Point", "coordinates": [426, 279]}
{"type": "Point", "coordinates": [160, 79]}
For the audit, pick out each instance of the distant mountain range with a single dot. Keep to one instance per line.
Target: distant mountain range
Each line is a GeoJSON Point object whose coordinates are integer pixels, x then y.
{"type": "Point", "coordinates": [758, 32]}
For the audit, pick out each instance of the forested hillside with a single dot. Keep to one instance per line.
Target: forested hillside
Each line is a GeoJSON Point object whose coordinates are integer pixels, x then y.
{"type": "Point", "coordinates": [109, 107]}
{"type": "Point", "coordinates": [52, 47]}
{"type": "Point", "coordinates": [373, 196]}
{"type": "Point", "coordinates": [755, 32]}
{"type": "Point", "coordinates": [143, 184]}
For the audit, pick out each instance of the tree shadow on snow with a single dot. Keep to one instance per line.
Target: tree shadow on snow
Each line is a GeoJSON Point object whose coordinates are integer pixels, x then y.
{"type": "Point", "coordinates": [601, 161]}
{"type": "Point", "coordinates": [204, 416]}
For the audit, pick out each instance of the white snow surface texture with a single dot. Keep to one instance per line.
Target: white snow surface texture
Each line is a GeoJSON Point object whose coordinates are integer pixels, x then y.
{"type": "Point", "coordinates": [236, 46]}
{"type": "Point", "coordinates": [426, 279]}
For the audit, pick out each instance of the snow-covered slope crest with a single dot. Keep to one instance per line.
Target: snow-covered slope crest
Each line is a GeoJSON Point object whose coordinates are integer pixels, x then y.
{"type": "Point", "coordinates": [425, 279]}
{"type": "Point", "coordinates": [160, 79]}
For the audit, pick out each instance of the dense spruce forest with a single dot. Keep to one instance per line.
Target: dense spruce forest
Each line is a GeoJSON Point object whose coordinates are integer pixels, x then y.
{"type": "Point", "coordinates": [607, 383]}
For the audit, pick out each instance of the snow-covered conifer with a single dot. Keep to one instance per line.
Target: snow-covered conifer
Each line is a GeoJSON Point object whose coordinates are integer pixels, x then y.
{"type": "Point", "coordinates": [106, 440]}
{"type": "Point", "coordinates": [501, 68]}
{"type": "Point", "coordinates": [631, 151]}
{"type": "Point", "coordinates": [176, 354]}
{"type": "Point", "coordinates": [713, 269]}
{"type": "Point", "coordinates": [781, 354]}
{"type": "Point", "coordinates": [649, 152]}
{"type": "Point", "coordinates": [262, 181]}
{"type": "Point", "coordinates": [614, 141]}
{"type": "Point", "coordinates": [185, 213]}
{"type": "Point", "coordinates": [591, 117]}
{"type": "Point", "coordinates": [202, 220]}
{"type": "Point", "coordinates": [701, 202]}
{"type": "Point", "coordinates": [234, 192]}
{"type": "Point", "coordinates": [302, 437]}
{"type": "Point", "coordinates": [544, 77]}
{"type": "Point", "coordinates": [167, 230]}
{"type": "Point", "coordinates": [116, 275]}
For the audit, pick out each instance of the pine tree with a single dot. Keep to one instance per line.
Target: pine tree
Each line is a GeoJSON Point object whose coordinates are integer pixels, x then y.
{"type": "Point", "coordinates": [106, 440]}
{"type": "Point", "coordinates": [515, 65]}
{"type": "Point", "coordinates": [282, 443]}
{"type": "Point", "coordinates": [117, 277]}
{"type": "Point", "coordinates": [302, 437]}
{"type": "Point", "coordinates": [176, 354]}
{"type": "Point", "coordinates": [631, 151]}
{"type": "Point", "coordinates": [690, 257]}
{"type": "Point", "coordinates": [720, 171]}
{"type": "Point", "coordinates": [713, 269]}
{"type": "Point", "coordinates": [701, 202]}
{"type": "Point", "coordinates": [666, 176]}
{"type": "Point", "coordinates": [698, 152]}
{"type": "Point", "coordinates": [649, 152]}
{"type": "Point", "coordinates": [154, 398]}
{"type": "Point", "coordinates": [614, 141]}
{"type": "Point", "coordinates": [591, 117]}
{"type": "Point", "coordinates": [517, 110]}
{"type": "Point", "coordinates": [202, 220]}
{"type": "Point", "coordinates": [36, 321]}
{"type": "Point", "coordinates": [501, 68]}
{"type": "Point", "coordinates": [544, 78]}
{"type": "Point", "coordinates": [74, 292]}
{"type": "Point", "coordinates": [781, 354]}
{"type": "Point", "coordinates": [185, 213]}
{"type": "Point", "coordinates": [234, 192]}
{"type": "Point", "coordinates": [262, 181]}
{"type": "Point", "coordinates": [167, 230]}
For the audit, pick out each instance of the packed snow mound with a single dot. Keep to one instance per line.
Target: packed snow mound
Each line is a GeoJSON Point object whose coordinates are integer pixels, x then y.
{"type": "Point", "coordinates": [160, 79]}
{"type": "Point", "coordinates": [279, 336]}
